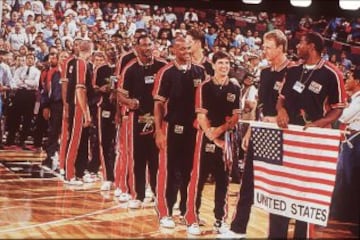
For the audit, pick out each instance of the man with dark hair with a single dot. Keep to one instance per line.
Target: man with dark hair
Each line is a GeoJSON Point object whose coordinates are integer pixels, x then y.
{"type": "Point", "coordinates": [174, 112]}
{"type": "Point", "coordinates": [218, 108]}
{"type": "Point", "coordinates": [121, 186]}
{"type": "Point", "coordinates": [346, 197]}
{"type": "Point", "coordinates": [51, 105]}
{"type": "Point", "coordinates": [312, 96]}
{"type": "Point", "coordinates": [136, 87]}
{"type": "Point", "coordinates": [5, 78]}
{"type": "Point", "coordinates": [103, 112]}
{"type": "Point", "coordinates": [26, 82]}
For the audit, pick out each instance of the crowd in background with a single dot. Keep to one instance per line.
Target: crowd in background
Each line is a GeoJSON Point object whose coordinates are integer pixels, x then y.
{"type": "Point", "coordinates": [32, 30]}
{"type": "Point", "coordinates": [34, 26]}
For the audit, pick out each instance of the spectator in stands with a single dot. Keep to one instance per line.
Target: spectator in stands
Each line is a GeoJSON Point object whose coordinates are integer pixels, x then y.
{"type": "Point", "coordinates": [221, 40]}
{"type": "Point", "coordinates": [210, 37]}
{"type": "Point", "coordinates": [345, 61]}
{"type": "Point", "coordinates": [17, 38]}
{"type": "Point", "coordinates": [166, 28]}
{"type": "Point", "coordinates": [5, 78]}
{"type": "Point", "coordinates": [42, 52]}
{"type": "Point", "coordinates": [191, 15]}
{"type": "Point", "coordinates": [169, 15]}
{"type": "Point", "coordinates": [25, 81]}
{"type": "Point", "coordinates": [355, 31]}
{"type": "Point", "coordinates": [249, 39]}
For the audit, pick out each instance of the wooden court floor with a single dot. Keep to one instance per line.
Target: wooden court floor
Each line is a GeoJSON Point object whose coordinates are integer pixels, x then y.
{"type": "Point", "coordinates": [41, 206]}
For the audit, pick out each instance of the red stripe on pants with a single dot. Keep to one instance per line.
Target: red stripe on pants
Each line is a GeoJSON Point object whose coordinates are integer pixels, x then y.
{"type": "Point", "coordinates": [121, 165]}
{"type": "Point", "coordinates": [190, 215]}
{"type": "Point", "coordinates": [130, 152]}
{"type": "Point", "coordinates": [74, 143]}
{"type": "Point", "coordinates": [162, 207]}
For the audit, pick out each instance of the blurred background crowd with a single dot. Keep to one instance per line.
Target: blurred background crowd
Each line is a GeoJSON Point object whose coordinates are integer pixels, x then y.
{"type": "Point", "coordinates": [34, 26]}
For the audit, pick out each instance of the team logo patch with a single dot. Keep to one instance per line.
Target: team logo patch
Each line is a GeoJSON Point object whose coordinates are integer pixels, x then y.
{"type": "Point", "coordinates": [210, 148]}
{"type": "Point", "coordinates": [315, 87]}
{"type": "Point", "coordinates": [230, 97]}
{"type": "Point", "coordinates": [277, 86]}
{"type": "Point", "coordinates": [197, 82]}
{"type": "Point", "coordinates": [149, 79]}
{"type": "Point", "coordinates": [178, 129]}
{"type": "Point", "coordinates": [71, 68]}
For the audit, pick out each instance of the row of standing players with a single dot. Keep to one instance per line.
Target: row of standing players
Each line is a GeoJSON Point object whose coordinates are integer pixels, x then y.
{"type": "Point", "coordinates": [174, 118]}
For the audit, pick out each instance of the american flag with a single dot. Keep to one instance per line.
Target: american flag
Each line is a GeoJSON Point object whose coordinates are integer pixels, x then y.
{"type": "Point", "coordinates": [295, 166]}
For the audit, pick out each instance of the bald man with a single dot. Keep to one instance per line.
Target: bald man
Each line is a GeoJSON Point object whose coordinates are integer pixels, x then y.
{"type": "Point", "coordinates": [174, 112]}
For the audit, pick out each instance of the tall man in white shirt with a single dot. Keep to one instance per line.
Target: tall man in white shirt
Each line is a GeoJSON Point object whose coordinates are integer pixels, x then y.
{"type": "Point", "coordinates": [25, 82]}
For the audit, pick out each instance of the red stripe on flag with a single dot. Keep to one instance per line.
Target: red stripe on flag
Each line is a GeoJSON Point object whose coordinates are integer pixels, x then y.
{"type": "Point", "coordinates": [293, 176]}
{"type": "Point", "coordinates": [293, 197]}
{"type": "Point", "coordinates": [310, 157]}
{"type": "Point", "coordinates": [309, 168]}
{"type": "Point", "coordinates": [295, 187]}
{"type": "Point", "coordinates": [311, 145]}
{"type": "Point", "coordinates": [308, 134]}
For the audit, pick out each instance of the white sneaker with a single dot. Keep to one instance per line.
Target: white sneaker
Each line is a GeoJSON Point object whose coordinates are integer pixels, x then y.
{"type": "Point", "coordinates": [124, 197]}
{"type": "Point", "coordinates": [55, 162]}
{"type": "Point", "coordinates": [134, 204]}
{"type": "Point", "coordinates": [87, 178]}
{"type": "Point", "coordinates": [221, 227]}
{"type": "Point", "coordinates": [117, 192]}
{"type": "Point", "coordinates": [74, 181]}
{"type": "Point", "coordinates": [148, 192]}
{"type": "Point", "coordinates": [167, 222]}
{"type": "Point", "coordinates": [232, 235]}
{"type": "Point", "coordinates": [106, 186]}
{"type": "Point", "coordinates": [194, 229]}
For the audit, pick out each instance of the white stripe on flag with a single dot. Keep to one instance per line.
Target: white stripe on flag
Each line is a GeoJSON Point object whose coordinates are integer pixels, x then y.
{"type": "Point", "coordinates": [311, 151]}
{"type": "Point", "coordinates": [295, 182]}
{"type": "Point", "coordinates": [294, 193]}
{"type": "Point", "coordinates": [315, 140]}
{"type": "Point", "coordinates": [299, 172]}
{"type": "Point", "coordinates": [310, 163]}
